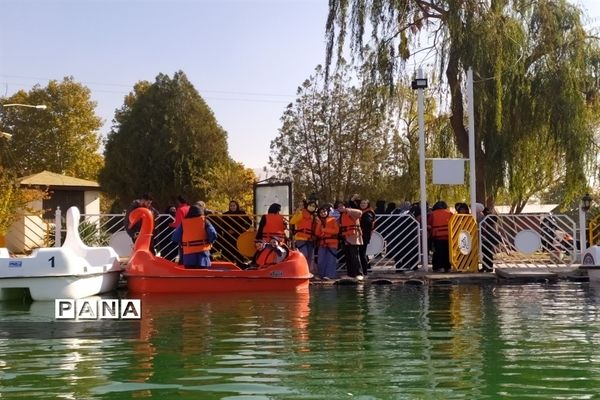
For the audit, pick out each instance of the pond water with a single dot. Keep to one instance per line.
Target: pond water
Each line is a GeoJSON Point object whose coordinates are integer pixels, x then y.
{"type": "Point", "coordinates": [539, 341]}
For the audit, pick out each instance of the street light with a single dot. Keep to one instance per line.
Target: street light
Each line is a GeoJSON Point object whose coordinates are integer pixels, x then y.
{"type": "Point", "coordinates": [420, 84]}
{"type": "Point", "coordinates": [38, 106]}
{"type": "Point", "coordinates": [586, 202]}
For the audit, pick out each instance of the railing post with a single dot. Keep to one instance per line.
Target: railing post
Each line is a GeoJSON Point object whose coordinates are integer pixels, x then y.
{"type": "Point", "coordinates": [582, 234]}
{"type": "Point", "coordinates": [57, 227]}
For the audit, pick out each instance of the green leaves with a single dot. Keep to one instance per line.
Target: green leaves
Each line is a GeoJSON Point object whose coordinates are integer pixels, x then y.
{"type": "Point", "coordinates": [63, 138]}
{"type": "Point", "coordinates": [536, 81]}
{"type": "Point", "coordinates": [164, 141]}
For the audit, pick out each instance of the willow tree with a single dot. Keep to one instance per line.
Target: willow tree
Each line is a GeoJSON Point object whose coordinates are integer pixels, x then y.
{"type": "Point", "coordinates": [531, 63]}
{"type": "Point", "coordinates": [63, 138]}
{"type": "Point", "coordinates": [164, 140]}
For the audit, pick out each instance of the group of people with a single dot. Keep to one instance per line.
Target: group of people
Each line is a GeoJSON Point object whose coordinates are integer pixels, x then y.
{"type": "Point", "coordinates": [192, 232]}
{"type": "Point", "coordinates": [322, 233]}
{"type": "Point", "coordinates": [196, 236]}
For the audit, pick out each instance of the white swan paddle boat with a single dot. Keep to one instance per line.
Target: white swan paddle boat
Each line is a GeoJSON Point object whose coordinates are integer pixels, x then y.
{"type": "Point", "coordinates": [72, 271]}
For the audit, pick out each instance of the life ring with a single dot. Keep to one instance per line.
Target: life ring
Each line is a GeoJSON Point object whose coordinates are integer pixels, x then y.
{"type": "Point", "coordinates": [376, 245]}
{"type": "Point", "coordinates": [245, 243]}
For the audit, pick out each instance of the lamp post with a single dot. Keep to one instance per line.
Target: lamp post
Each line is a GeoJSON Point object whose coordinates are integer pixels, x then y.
{"type": "Point", "coordinates": [7, 135]}
{"type": "Point", "coordinates": [38, 106]}
{"type": "Point", "coordinates": [586, 203]}
{"type": "Point", "coordinates": [420, 84]}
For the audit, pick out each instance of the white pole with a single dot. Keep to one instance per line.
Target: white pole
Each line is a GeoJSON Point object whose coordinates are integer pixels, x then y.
{"type": "Point", "coordinates": [582, 231]}
{"type": "Point", "coordinates": [57, 228]}
{"type": "Point", "coordinates": [421, 113]}
{"type": "Point", "coordinates": [471, 117]}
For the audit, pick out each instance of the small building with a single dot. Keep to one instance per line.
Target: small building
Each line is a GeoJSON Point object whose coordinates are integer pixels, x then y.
{"type": "Point", "coordinates": [64, 191]}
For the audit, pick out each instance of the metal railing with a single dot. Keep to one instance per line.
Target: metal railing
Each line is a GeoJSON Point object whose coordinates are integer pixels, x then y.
{"type": "Point", "coordinates": [506, 240]}
{"type": "Point", "coordinates": [544, 240]}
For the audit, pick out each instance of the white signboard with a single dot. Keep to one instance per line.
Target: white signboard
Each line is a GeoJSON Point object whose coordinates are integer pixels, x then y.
{"type": "Point", "coordinates": [265, 195]}
{"type": "Point", "coordinates": [448, 171]}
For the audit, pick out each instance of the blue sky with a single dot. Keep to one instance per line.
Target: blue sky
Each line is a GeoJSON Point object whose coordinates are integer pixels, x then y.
{"type": "Point", "coordinates": [245, 57]}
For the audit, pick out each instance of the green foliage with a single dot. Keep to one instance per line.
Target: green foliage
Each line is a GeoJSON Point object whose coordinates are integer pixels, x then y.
{"type": "Point", "coordinates": [62, 138]}
{"type": "Point", "coordinates": [14, 200]}
{"type": "Point", "coordinates": [339, 139]}
{"type": "Point", "coordinates": [228, 181]}
{"type": "Point", "coordinates": [164, 140]}
{"type": "Point", "coordinates": [536, 81]}
{"type": "Point", "coordinates": [91, 235]}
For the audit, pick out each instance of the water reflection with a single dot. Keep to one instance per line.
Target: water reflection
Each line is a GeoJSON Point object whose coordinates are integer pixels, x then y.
{"type": "Point", "coordinates": [388, 342]}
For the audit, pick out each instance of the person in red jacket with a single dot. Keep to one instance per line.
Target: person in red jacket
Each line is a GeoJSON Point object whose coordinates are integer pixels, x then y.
{"type": "Point", "coordinates": [438, 220]}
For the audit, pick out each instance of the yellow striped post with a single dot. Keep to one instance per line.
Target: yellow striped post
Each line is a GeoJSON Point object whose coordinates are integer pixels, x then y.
{"type": "Point", "coordinates": [463, 243]}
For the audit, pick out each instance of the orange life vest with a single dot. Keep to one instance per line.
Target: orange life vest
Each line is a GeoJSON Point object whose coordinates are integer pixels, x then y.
{"type": "Point", "coordinates": [195, 238]}
{"type": "Point", "coordinates": [349, 226]}
{"type": "Point", "coordinates": [305, 229]}
{"type": "Point", "coordinates": [266, 256]}
{"type": "Point", "coordinates": [327, 231]}
{"type": "Point", "coordinates": [274, 226]}
{"type": "Point", "coordinates": [439, 223]}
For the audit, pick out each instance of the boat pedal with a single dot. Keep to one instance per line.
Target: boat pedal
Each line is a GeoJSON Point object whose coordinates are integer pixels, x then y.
{"type": "Point", "coordinates": [346, 281]}
{"type": "Point", "coordinates": [381, 281]}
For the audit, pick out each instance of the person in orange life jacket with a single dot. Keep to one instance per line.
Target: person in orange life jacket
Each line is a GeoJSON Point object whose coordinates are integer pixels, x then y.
{"type": "Point", "coordinates": [270, 253]}
{"type": "Point", "coordinates": [304, 220]}
{"type": "Point", "coordinates": [181, 209]}
{"type": "Point", "coordinates": [271, 224]}
{"type": "Point", "coordinates": [196, 235]}
{"type": "Point", "coordinates": [327, 230]}
{"type": "Point", "coordinates": [439, 218]}
{"type": "Point", "coordinates": [367, 224]}
{"type": "Point", "coordinates": [351, 238]}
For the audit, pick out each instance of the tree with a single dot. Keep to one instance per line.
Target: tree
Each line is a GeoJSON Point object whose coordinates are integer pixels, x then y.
{"type": "Point", "coordinates": [164, 140]}
{"type": "Point", "coordinates": [14, 200]}
{"type": "Point", "coordinates": [62, 138]}
{"type": "Point", "coordinates": [228, 181]}
{"type": "Point", "coordinates": [533, 79]}
{"type": "Point", "coordinates": [336, 139]}
{"type": "Point", "coordinates": [332, 142]}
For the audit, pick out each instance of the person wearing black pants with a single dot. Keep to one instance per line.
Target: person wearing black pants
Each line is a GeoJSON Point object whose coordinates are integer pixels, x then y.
{"type": "Point", "coordinates": [352, 239]}
{"type": "Point", "coordinates": [367, 224]}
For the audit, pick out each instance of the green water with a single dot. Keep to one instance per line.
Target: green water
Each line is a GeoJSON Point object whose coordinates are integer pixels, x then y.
{"type": "Point", "coordinates": [387, 342]}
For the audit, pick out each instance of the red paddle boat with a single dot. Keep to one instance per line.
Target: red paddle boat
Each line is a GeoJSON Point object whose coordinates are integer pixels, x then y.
{"type": "Point", "coordinates": [147, 273]}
